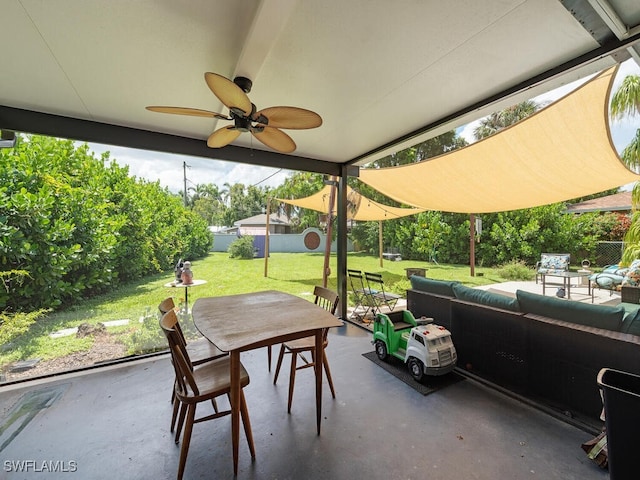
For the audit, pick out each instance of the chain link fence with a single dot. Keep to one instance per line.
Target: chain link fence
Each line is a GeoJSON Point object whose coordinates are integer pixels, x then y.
{"type": "Point", "coordinates": [609, 253]}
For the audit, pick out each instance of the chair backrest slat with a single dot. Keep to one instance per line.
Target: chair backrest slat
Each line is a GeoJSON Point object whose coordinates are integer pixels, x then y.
{"type": "Point", "coordinates": [376, 280]}
{"type": "Point", "coordinates": [166, 305]}
{"type": "Point", "coordinates": [356, 279]}
{"type": "Point", "coordinates": [327, 299]}
{"type": "Point", "coordinates": [179, 356]}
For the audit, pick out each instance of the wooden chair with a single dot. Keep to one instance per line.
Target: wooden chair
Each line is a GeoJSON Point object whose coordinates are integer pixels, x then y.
{"type": "Point", "coordinates": [197, 384]}
{"type": "Point", "coordinates": [379, 296]}
{"type": "Point", "coordinates": [328, 300]}
{"type": "Point", "coordinates": [362, 296]}
{"type": "Point", "coordinates": [200, 350]}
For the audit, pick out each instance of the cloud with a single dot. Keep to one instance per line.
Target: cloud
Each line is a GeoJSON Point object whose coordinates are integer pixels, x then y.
{"type": "Point", "coordinates": [171, 169]}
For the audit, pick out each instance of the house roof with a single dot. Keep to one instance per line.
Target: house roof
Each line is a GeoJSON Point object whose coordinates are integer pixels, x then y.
{"type": "Point", "coordinates": [261, 219]}
{"type": "Point", "coordinates": [382, 75]}
{"type": "Point", "coordinates": [618, 202]}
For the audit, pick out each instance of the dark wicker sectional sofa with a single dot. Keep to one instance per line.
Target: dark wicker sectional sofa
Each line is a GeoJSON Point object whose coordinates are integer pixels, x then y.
{"type": "Point", "coordinates": [546, 349]}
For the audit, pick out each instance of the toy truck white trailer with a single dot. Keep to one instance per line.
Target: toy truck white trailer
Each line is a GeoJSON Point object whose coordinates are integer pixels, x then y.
{"type": "Point", "coordinates": [425, 347]}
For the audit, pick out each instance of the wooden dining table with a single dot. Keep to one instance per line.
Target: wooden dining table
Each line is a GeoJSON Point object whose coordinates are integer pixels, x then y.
{"type": "Point", "coordinates": [237, 323]}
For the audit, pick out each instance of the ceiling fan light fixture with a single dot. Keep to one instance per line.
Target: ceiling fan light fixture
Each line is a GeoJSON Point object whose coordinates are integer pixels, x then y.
{"type": "Point", "coordinates": [244, 83]}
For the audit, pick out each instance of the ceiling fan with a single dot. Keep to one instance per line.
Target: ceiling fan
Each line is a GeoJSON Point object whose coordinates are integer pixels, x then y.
{"type": "Point", "coordinates": [265, 124]}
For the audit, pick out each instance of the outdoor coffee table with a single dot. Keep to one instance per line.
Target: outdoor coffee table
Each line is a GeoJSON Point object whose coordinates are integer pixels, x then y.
{"type": "Point", "coordinates": [566, 280]}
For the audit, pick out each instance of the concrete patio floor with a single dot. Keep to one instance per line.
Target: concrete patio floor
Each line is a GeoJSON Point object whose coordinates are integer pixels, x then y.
{"type": "Point", "coordinates": [113, 422]}
{"type": "Point", "coordinates": [579, 292]}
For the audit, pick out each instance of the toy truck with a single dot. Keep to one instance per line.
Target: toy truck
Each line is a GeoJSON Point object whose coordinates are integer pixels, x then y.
{"type": "Point", "coordinates": [426, 348]}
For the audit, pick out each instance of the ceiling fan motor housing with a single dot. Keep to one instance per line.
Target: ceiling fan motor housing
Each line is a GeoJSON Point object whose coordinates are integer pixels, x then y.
{"type": "Point", "coordinates": [241, 122]}
{"type": "Point", "coordinates": [244, 83]}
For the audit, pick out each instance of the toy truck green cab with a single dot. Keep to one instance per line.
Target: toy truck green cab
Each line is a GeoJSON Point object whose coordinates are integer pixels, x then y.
{"type": "Point", "coordinates": [425, 347]}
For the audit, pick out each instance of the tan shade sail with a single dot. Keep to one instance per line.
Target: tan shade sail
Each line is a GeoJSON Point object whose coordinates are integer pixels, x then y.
{"type": "Point", "coordinates": [358, 207]}
{"type": "Point", "coordinates": [563, 151]}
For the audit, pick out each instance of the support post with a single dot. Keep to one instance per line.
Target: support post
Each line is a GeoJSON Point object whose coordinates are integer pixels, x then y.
{"type": "Point", "coordinates": [266, 240]}
{"type": "Point", "coordinates": [341, 242]}
{"type": "Point", "coordinates": [472, 243]}
{"type": "Point", "coordinates": [326, 270]}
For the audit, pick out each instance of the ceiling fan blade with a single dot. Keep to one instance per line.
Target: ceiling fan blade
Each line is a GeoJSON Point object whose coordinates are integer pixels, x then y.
{"type": "Point", "coordinates": [228, 92]}
{"type": "Point", "coordinates": [276, 139]}
{"type": "Point", "coordinates": [195, 112]}
{"type": "Point", "coordinates": [289, 117]}
{"type": "Point", "coordinates": [222, 137]}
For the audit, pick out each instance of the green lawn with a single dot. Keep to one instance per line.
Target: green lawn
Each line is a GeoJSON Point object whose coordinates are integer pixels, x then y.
{"type": "Point", "coordinates": [292, 273]}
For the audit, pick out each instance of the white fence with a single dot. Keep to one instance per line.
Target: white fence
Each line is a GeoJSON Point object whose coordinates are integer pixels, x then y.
{"type": "Point", "coordinates": [311, 240]}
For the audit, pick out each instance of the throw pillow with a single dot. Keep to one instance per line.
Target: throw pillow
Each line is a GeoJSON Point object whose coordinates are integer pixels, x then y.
{"type": "Point", "coordinates": [554, 262]}
{"type": "Point", "coordinates": [608, 281]}
{"type": "Point", "coordinates": [632, 277]}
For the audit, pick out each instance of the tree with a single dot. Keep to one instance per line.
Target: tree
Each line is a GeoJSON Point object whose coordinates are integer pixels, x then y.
{"type": "Point", "coordinates": [299, 185]}
{"type": "Point", "coordinates": [500, 120]}
{"type": "Point", "coordinates": [401, 233]}
{"type": "Point", "coordinates": [243, 202]}
{"type": "Point", "coordinates": [433, 147]}
{"type": "Point", "coordinates": [80, 225]}
{"type": "Point", "coordinates": [626, 102]}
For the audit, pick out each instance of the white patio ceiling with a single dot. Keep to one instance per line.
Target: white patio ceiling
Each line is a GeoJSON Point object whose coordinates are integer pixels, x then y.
{"type": "Point", "coordinates": [383, 75]}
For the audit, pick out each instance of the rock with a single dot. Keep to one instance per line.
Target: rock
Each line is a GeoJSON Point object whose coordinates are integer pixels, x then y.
{"type": "Point", "coordinates": [24, 365]}
{"type": "Point", "coordinates": [85, 329]}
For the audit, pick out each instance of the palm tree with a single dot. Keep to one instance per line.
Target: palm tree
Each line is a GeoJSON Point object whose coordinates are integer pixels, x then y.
{"type": "Point", "coordinates": [626, 102]}
{"type": "Point", "coordinates": [500, 120]}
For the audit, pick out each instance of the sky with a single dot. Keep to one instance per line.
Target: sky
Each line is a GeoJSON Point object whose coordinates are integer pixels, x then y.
{"type": "Point", "coordinates": [621, 131]}
{"type": "Point", "coordinates": [168, 168]}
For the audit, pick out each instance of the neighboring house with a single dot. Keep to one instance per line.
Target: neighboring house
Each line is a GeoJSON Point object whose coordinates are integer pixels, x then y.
{"type": "Point", "coordinates": [257, 225]}
{"type": "Point", "coordinates": [618, 202]}
{"type": "Point", "coordinates": [311, 240]}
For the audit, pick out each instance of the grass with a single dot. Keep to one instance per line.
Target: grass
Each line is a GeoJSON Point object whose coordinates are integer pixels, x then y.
{"type": "Point", "coordinates": [295, 273]}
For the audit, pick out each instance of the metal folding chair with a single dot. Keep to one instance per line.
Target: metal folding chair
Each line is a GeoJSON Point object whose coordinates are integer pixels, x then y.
{"type": "Point", "coordinates": [380, 298]}
{"type": "Point", "coordinates": [362, 297]}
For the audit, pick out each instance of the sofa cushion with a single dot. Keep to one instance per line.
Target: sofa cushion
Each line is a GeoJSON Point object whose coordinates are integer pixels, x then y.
{"type": "Point", "coordinates": [608, 281]}
{"type": "Point", "coordinates": [553, 263]}
{"type": "Point", "coordinates": [439, 287]}
{"type": "Point", "coordinates": [615, 269]}
{"type": "Point", "coordinates": [475, 295]}
{"type": "Point", "coordinates": [599, 316]}
{"type": "Point", "coordinates": [631, 320]}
